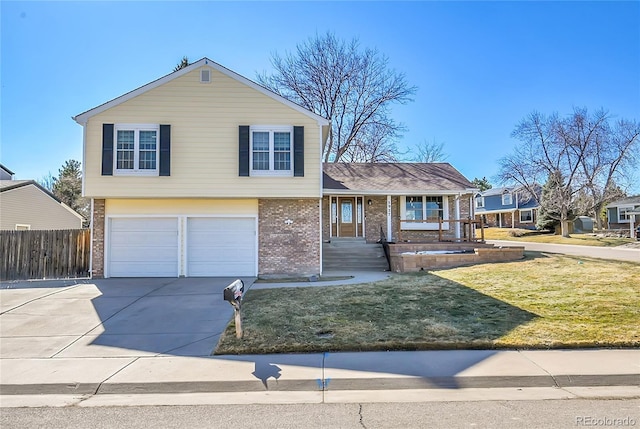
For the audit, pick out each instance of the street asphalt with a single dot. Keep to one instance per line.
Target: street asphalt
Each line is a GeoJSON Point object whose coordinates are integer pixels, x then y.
{"type": "Point", "coordinates": [149, 341]}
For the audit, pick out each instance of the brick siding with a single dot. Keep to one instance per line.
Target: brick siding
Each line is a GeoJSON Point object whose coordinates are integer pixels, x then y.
{"type": "Point", "coordinates": [97, 247]}
{"type": "Point", "coordinates": [288, 248]}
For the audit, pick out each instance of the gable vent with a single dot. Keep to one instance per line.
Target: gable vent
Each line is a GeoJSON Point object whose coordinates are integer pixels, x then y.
{"type": "Point", "coordinates": [205, 76]}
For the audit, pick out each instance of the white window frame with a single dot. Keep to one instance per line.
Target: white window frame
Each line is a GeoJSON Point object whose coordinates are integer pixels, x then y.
{"type": "Point", "coordinates": [425, 226]}
{"type": "Point", "coordinates": [136, 171]}
{"type": "Point", "coordinates": [510, 199]}
{"type": "Point", "coordinates": [271, 129]}
{"type": "Point", "coordinates": [623, 217]}
{"type": "Point", "coordinates": [530, 211]}
{"type": "Point", "coordinates": [479, 202]}
{"type": "Point", "coordinates": [22, 227]}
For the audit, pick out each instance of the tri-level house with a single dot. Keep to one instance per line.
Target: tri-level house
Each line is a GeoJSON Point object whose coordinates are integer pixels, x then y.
{"type": "Point", "coordinates": [508, 207]}
{"type": "Point", "coordinates": [203, 172]}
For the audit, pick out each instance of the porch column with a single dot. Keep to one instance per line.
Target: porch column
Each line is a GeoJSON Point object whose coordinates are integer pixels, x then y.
{"type": "Point", "coordinates": [389, 223]}
{"type": "Point", "coordinates": [457, 214]}
{"type": "Point", "coordinates": [513, 219]}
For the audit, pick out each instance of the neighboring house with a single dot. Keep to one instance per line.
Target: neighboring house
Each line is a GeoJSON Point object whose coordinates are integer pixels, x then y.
{"type": "Point", "coordinates": [5, 173]}
{"type": "Point", "coordinates": [400, 201]}
{"type": "Point", "coordinates": [622, 213]}
{"type": "Point", "coordinates": [206, 173]}
{"type": "Point", "coordinates": [25, 205]}
{"type": "Point", "coordinates": [507, 207]}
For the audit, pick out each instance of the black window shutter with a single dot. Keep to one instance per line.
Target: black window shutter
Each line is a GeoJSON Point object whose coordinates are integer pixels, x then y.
{"type": "Point", "coordinates": [165, 150]}
{"type": "Point", "coordinates": [243, 152]}
{"type": "Point", "coordinates": [107, 149]}
{"type": "Point", "coordinates": [298, 151]}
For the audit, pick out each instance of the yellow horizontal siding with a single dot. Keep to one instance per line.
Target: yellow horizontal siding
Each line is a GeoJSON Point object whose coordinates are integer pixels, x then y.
{"type": "Point", "coordinates": [204, 121]}
{"type": "Point", "coordinates": [180, 207]}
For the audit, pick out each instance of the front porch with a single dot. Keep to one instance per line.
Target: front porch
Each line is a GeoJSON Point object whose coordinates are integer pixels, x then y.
{"type": "Point", "coordinates": [400, 218]}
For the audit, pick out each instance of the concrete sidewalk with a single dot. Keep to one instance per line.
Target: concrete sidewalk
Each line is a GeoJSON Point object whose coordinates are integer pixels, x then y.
{"type": "Point", "coordinates": [369, 376]}
{"type": "Point", "coordinates": [124, 341]}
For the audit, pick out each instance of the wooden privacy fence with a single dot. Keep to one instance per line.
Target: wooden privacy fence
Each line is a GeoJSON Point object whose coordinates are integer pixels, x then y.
{"type": "Point", "coordinates": [55, 254]}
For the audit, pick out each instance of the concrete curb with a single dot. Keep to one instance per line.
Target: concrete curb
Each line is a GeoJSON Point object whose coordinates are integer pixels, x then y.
{"type": "Point", "coordinates": [327, 385]}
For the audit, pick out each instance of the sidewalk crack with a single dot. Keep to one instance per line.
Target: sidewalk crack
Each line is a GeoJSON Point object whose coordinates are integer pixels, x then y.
{"type": "Point", "coordinates": [361, 416]}
{"type": "Point", "coordinates": [555, 381]}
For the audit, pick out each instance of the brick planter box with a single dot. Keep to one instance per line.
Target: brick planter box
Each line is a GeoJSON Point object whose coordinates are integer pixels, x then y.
{"type": "Point", "coordinates": [404, 262]}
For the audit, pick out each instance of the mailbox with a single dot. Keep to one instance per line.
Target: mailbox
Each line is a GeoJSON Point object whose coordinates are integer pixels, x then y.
{"type": "Point", "coordinates": [233, 293]}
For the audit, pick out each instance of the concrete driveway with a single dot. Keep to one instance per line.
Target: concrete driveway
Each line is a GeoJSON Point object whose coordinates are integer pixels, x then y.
{"type": "Point", "coordinates": [113, 317]}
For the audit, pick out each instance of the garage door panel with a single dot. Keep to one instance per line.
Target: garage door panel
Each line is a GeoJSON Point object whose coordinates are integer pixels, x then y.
{"type": "Point", "coordinates": [221, 246]}
{"type": "Point", "coordinates": [143, 247]}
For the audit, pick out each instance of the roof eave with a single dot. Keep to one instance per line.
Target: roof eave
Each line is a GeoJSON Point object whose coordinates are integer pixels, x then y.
{"type": "Point", "coordinates": [328, 191]}
{"type": "Point", "coordinates": [82, 118]}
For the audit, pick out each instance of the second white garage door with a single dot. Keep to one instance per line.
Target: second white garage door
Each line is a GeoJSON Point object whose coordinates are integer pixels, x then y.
{"type": "Point", "coordinates": [221, 246]}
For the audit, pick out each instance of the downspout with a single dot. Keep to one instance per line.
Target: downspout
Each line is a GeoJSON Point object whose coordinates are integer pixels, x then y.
{"type": "Point", "coordinates": [91, 241]}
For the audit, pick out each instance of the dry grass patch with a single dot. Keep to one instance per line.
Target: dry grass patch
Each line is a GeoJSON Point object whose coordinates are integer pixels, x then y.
{"type": "Point", "coordinates": [539, 302]}
{"type": "Point", "coordinates": [516, 234]}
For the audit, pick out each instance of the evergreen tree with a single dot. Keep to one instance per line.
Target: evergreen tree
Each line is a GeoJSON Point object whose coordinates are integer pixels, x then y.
{"type": "Point", "coordinates": [482, 184]}
{"type": "Point", "coordinates": [68, 187]}
{"type": "Point", "coordinates": [553, 203]}
{"type": "Point", "coordinates": [182, 64]}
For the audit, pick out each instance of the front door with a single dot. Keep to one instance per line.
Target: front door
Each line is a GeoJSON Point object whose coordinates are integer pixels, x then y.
{"type": "Point", "coordinates": [346, 217]}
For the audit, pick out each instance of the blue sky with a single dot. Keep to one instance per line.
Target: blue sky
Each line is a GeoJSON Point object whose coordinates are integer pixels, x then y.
{"type": "Point", "coordinates": [480, 67]}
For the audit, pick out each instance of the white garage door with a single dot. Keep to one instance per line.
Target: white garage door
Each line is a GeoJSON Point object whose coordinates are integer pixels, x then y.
{"type": "Point", "coordinates": [143, 247]}
{"type": "Point", "coordinates": [221, 247]}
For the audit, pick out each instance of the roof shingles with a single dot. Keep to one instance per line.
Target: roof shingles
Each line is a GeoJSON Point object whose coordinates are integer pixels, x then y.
{"type": "Point", "coordinates": [394, 177]}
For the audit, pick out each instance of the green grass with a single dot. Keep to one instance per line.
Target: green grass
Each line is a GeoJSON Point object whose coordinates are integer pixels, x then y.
{"type": "Point", "coordinates": [539, 302]}
{"type": "Point", "coordinates": [543, 237]}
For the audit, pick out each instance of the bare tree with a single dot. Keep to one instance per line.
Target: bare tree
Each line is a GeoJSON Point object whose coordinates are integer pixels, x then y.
{"type": "Point", "coordinates": [352, 87]}
{"type": "Point", "coordinates": [571, 155]}
{"type": "Point", "coordinates": [47, 182]}
{"type": "Point", "coordinates": [430, 152]}
{"type": "Point", "coordinates": [612, 159]}
{"type": "Point", "coordinates": [373, 144]}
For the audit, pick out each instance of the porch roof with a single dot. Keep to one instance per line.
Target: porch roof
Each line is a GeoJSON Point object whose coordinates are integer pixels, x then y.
{"type": "Point", "coordinates": [394, 178]}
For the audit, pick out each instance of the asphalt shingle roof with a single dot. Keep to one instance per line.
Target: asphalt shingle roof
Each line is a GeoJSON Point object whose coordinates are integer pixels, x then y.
{"type": "Point", "coordinates": [393, 177]}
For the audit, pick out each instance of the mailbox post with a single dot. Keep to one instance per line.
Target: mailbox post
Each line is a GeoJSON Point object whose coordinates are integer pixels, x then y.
{"type": "Point", "coordinates": [233, 293]}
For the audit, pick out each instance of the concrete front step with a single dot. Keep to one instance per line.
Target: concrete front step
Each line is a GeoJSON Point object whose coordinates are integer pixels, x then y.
{"type": "Point", "coordinates": [353, 253]}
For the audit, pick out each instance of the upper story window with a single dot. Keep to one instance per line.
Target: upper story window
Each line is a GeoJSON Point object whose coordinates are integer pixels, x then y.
{"type": "Point", "coordinates": [506, 199]}
{"type": "Point", "coordinates": [271, 151]}
{"type": "Point", "coordinates": [423, 211]}
{"type": "Point", "coordinates": [479, 202]}
{"type": "Point", "coordinates": [136, 149]}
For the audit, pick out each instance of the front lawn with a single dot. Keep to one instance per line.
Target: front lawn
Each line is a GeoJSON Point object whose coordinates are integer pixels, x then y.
{"type": "Point", "coordinates": [539, 302]}
{"type": "Point", "coordinates": [516, 234]}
